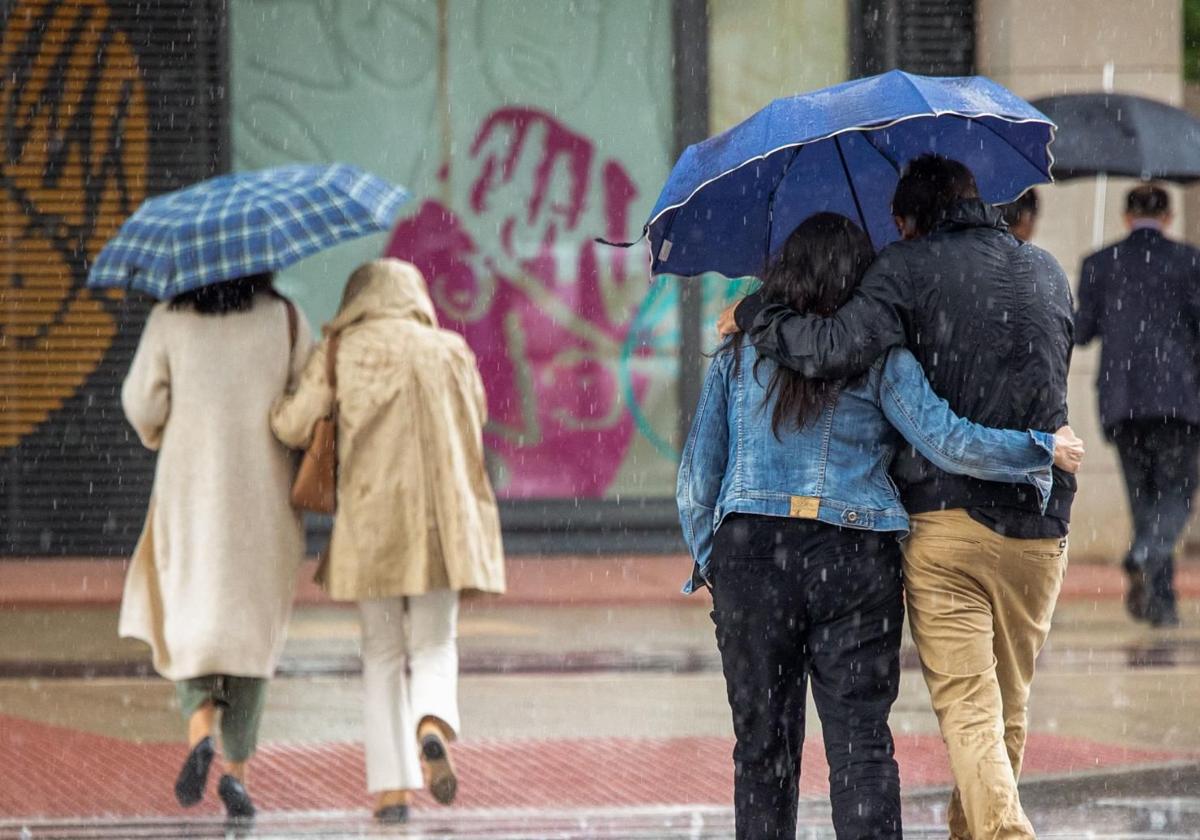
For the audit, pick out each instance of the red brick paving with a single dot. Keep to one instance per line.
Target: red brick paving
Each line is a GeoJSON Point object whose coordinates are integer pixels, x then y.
{"type": "Point", "coordinates": [551, 581]}
{"type": "Point", "coordinates": [54, 772]}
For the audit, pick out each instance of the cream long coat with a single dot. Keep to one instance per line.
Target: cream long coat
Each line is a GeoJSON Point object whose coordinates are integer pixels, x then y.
{"type": "Point", "coordinates": [211, 582]}
{"type": "Point", "coordinates": [415, 510]}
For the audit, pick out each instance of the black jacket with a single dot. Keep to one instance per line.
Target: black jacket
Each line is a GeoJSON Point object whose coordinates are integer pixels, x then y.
{"type": "Point", "coordinates": [991, 321]}
{"type": "Point", "coordinates": [1141, 298]}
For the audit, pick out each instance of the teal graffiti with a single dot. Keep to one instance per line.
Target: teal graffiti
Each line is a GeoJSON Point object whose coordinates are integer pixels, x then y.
{"type": "Point", "coordinates": [653, 341]}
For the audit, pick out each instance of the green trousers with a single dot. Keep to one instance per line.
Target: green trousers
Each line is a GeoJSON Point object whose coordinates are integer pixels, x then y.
{"type": "Point", "coordinates": [241, 701]}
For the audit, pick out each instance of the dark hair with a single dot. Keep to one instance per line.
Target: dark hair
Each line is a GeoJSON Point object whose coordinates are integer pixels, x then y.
{"type": "Point", "coordinates": [816, 271]}
{"type": "Point", "coordinates": [225, 297]}
{"type": "Point", "coordinates": [1147, 200]}
{"type": "Point", "coordinates": [1026, 205]}
{"type": "Point", "coordinates": [929, 187]}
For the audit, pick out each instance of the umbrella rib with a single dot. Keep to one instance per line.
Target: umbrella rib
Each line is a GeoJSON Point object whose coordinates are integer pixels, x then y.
{"type": "Point", "coordinates": [787, 167]}
{"type": "Point", "coordinates": [837, 142]}
{"type": "Point", "coordinates": [886, 157]}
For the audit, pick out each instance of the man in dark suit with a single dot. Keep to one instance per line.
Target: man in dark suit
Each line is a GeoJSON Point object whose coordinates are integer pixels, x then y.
{"type": "Point", "coordinates": [1141, 298]}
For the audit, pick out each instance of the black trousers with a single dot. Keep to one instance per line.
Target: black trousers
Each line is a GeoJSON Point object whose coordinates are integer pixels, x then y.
{"type": "Point", "coordinates": [797, 600]}
{"type": "Point", "coordinates": [1158, 460]}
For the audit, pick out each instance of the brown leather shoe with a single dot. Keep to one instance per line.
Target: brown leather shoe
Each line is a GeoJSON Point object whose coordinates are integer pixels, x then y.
{"type": "Point", "coordinates": [439, 772]}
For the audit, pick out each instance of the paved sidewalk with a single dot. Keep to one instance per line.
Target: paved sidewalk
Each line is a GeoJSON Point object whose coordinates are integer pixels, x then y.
{"type": "Point", "coordinates": [574, 580]}
{"type": "Point", "coordinates": [559, 773]}
{"type": "Point", "coordinates": [600, 717]}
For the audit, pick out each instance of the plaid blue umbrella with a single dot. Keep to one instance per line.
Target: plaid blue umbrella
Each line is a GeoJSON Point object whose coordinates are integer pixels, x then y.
{"type": "Point", "coordinates": [243, 224]}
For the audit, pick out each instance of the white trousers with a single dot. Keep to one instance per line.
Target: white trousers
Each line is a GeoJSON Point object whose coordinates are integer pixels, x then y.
{"type": "Point", "coordinates": [410, 672]}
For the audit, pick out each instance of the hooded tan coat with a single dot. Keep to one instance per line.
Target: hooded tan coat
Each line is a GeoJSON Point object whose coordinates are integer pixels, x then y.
{"type": "Point", "coordinates": [211, 581]}
{"type": "Point", "coordinates": [415, 508]}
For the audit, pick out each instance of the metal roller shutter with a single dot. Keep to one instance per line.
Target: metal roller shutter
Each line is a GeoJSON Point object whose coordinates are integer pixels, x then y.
{"type": "Point", "coordinates": [105, 104]}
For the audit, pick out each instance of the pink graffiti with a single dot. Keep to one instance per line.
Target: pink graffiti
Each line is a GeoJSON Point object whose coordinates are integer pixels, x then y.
{"type": "Point", "coordinates": [515, 270]}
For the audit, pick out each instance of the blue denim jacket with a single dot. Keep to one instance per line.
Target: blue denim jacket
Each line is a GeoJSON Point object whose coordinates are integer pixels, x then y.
{"type": "Point", "coordinates": [836, 469]}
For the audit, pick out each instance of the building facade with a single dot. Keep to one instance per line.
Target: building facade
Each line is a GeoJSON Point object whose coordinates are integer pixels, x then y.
{"type": "Point", "coordinates": [525, 129]}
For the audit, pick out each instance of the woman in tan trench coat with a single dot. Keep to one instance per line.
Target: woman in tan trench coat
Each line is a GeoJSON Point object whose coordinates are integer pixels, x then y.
{"type": "Point", "coordinates": [416, 520]}
{"type": "Point", "coordinates": [211, 581]}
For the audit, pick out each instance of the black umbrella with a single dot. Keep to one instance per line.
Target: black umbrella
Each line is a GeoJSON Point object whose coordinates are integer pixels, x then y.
{"type": "Point", "coordinates": [1121, 134]}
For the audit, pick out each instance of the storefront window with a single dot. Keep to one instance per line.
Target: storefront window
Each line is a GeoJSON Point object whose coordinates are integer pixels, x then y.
{"type": "Point", "coordinates": [524, 130]}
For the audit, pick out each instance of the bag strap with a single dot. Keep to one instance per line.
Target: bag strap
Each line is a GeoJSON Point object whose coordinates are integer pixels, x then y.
{"type": "Point", "coordinates": [331, 364]}
{"type": "Point", "coordinates": [293, 326]}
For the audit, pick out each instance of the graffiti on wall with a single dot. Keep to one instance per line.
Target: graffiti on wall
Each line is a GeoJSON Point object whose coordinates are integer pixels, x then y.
{"type": "Point", "coordinates": [576, 346]}
{"type": "Point", "coordinates": [524, 136]}
{"type": "Point", "coordinates": [76, 150]}
{"type": "Point", "coordinates": [544, 308]}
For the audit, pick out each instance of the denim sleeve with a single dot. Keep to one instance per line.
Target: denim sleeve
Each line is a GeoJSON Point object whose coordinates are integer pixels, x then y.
{"type": "Point", "coordinates": [702, 467]}
{"type": "Point", "coordinates": [955, 444]}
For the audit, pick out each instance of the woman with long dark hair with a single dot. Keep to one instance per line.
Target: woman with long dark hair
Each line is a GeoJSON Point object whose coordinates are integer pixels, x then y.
{"type": "Point", "coordinates": [793, 522]}
{"type": "Point", "coordinates": [211, 581]}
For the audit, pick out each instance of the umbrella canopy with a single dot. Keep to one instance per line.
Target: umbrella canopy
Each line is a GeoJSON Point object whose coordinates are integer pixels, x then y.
{"type": "Point", "coordinates": [731, 201]}
{"type": "Point", "coordinates": [243, 224]}
{"type": "Point", "coordinates": [1122, 134]}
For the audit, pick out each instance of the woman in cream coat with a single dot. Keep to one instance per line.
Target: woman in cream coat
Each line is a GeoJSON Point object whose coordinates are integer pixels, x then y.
{"type": "Point", "coordinates": [416, 520]}
{"type": "Point", "coordinates": [211, 581]}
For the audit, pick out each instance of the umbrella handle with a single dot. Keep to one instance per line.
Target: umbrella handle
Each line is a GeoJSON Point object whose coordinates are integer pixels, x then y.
{"type": "Point", "coordinates": [603, 241]}
{"type": "Point", "coordinates": [1099, 204]}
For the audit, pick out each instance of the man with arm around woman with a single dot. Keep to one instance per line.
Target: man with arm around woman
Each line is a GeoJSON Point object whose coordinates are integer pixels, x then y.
{"type": "Point", "coordinates": [989, 319]}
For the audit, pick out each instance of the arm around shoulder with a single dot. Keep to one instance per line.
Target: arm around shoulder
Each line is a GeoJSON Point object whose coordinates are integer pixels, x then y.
{"type": "Point", "coordinates": [849, 341]}
{"type": "Point", "coordinates": [956, 444]}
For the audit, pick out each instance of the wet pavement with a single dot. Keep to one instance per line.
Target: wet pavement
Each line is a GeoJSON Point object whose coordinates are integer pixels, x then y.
{"type": "Point", "coordinates": [1115, 809]}
{"type": "Point", "coordinates": [579, 721]}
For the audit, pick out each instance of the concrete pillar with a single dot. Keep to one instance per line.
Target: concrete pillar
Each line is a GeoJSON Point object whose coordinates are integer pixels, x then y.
{"type": "Point", "coordinates": [1044, 47]}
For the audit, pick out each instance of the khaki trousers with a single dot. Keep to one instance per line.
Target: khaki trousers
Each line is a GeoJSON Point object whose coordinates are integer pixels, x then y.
{"type": "Point", "coordinates": [979, 608]}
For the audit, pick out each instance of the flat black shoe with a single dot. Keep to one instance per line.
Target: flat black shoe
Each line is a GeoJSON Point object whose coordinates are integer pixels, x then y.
{"type": "Point", "coordinates": [193, 776]}
{"type": "Point", "coordinates": [443, 784]}
{"type": "Point", "coordinates": [1168, 617]}
{"type": "Point", "coordinates": [392, 815]}
{"type": "Point", "coordinates": [237, 801]}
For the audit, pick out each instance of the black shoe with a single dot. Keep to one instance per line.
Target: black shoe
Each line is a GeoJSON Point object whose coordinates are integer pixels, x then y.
{"type": "Point", "coordinates": [193, 776]}
{"type": "Point", "coordinates": [1136, 596]}
{"type": "Point", "coordinates": [443, 784]}
{"type": "Point", "coordinates": [1164, 617]}
{"type": "Point", "coordinates": [237, 801]}
{"type": "Point", "coordinates": [392, 815]}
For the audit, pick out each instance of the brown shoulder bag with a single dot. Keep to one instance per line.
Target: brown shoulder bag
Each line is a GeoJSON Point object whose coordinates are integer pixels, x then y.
{"type": "Point", "coordinates": [315, 487]}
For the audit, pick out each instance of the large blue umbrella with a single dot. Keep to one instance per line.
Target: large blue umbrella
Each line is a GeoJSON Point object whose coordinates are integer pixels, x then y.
{"type": "Point", "coordinates": [731, 201]}
{"type": "Point", "coordinates": [243, 224]}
